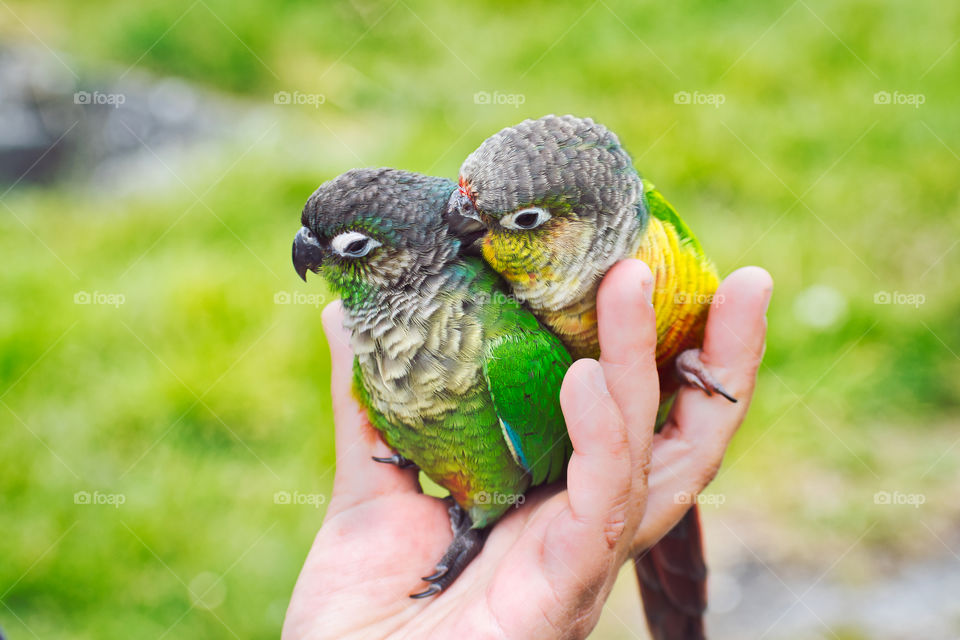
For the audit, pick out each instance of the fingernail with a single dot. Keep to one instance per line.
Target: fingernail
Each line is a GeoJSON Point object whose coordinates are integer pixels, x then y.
{"type": "Point", "coordinates": [648, 290]}
{"type": "Point", "coordinates": [766, 305]}
{"type": "Point", "coordinates": [596, 380]}
{"type": "Point", "coordinates": [646, 284]}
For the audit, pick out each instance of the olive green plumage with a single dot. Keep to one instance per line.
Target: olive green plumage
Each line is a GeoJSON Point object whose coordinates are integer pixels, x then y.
{"type": "Point", "coordinates": [454, 373]}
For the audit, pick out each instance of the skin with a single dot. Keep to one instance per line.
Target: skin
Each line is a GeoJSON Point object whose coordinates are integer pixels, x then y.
{"type": "Point", "coordinates": [548, 566]}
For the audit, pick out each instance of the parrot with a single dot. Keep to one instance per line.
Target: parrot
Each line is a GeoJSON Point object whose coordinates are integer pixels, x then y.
{"type": "Point", "coordinates": [560, 202]}
{"type": "Point", "coordinates": [436, 338]}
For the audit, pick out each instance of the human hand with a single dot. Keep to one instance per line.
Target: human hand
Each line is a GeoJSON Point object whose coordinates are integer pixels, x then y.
{"type": "Point", "coordinates": [689, 448]}
{"type": "Point", "coordinates": [548, 565]}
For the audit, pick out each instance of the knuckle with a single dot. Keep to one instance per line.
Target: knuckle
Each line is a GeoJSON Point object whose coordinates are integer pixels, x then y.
{"type": "Point", "coordinates": [616, 521]}
{"type": "Point", "coordinates": [709, 472]}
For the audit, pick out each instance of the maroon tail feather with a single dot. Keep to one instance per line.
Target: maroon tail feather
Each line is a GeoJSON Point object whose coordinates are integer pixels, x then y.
{"type": "Point", "coordinates": [673, 582]}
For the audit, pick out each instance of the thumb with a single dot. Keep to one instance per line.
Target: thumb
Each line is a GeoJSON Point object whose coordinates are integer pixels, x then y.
{"type": "Point", "coordinates": [358, 478]}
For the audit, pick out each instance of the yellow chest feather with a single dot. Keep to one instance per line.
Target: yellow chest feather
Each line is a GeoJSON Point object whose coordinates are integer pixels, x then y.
{"type": "Point", "coordinates": [684, 284]}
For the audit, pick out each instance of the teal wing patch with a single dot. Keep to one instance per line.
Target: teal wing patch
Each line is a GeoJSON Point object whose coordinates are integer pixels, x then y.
{"type": "Point", "coordinates": [524, 368]}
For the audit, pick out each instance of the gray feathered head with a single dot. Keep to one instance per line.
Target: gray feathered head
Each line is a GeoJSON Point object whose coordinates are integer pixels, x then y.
{"type": "Point", "coordinates": [371, 230]}
{"type": "Point", "coordinates": [560, 200]}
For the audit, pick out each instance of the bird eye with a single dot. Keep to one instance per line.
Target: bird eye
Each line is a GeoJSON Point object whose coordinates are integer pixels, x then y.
{"type": "Point", "coordinates": [526, 219]}
{"type": "Point", "coordinates": [353, 244]}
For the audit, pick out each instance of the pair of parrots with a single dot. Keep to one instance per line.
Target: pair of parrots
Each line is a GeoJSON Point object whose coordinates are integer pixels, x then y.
{"type": "Point", "coordinates": [459, 359]}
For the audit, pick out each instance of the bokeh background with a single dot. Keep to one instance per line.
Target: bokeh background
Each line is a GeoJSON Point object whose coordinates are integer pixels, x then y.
{"type": "Point", "coordinates": [166, 446]}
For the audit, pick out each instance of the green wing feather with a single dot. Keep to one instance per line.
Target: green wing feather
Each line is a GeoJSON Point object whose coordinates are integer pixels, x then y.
{"type": "Point", "coordinates": [524, 368]}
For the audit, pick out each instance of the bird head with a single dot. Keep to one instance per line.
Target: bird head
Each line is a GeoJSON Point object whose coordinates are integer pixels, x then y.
{"type": "Point", "coordinates": [558, 197]}
{"type": "Point", "coordinates": [372, 231]}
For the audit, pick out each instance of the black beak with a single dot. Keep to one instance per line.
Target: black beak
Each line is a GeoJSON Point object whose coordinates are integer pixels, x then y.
{"type": "Point", "coordinates": [307, 253]}
{"type": "Point", "coordinates": [464, 221]}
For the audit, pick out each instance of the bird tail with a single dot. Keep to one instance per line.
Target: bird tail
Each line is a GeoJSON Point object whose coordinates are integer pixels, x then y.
{"type": "Point", "coordinates": [673, 582]}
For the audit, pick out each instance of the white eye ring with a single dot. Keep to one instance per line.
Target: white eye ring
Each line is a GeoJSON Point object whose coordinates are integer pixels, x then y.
{"type": "Point", "coordinates": [510, 221]}
{"type": "Point", "coordinates": [346, 244]}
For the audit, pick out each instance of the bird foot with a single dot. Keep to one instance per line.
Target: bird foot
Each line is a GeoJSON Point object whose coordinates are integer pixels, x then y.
{"type": "Point", "coordinates": [397, 459]}
{"type": "Point", "coordinates": [695, 373]}
{"type": "Point", "coordinates": [467, 543]}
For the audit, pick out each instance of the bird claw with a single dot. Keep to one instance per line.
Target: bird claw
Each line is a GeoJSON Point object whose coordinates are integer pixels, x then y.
{"type": "Point", "coordinates": [429, 591]}
{"type": "Point", "coordinates": [467, 543]}
{"type": "Point", "coordinates": [397, 459]}
{"type": "Point", "coordinates": [693, 372]}
{"type": "Point", "coordinates": [436, 575]}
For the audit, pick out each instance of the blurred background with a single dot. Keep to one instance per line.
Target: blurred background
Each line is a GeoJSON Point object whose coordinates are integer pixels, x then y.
{"type": "Point", "coordinates": [166, 446]}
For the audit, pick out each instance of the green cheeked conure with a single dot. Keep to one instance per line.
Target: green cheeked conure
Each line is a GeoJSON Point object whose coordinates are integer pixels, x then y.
{"type": "Point", "coordinates": [561, 203]}
{"type": "Point", "coordinates": [437, 340]}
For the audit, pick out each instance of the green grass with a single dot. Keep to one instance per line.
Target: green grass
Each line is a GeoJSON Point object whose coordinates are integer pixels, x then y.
{"type": "Point", "coordinates": [198, 398]}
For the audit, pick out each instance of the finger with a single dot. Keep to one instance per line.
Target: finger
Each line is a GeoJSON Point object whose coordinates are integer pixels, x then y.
{"type": "Point", "coordinates": [732, 350]}
{"type": "Point", "coordinates": [358, 477]}
{"type": "Point", "coordinates": [737, 325]}
{"type": "Point", "coordinates": [628, 340]}
{"type": "Point", "coordinates": [689, 450]}
{"type": "Point", "coordinates": [583, 536]}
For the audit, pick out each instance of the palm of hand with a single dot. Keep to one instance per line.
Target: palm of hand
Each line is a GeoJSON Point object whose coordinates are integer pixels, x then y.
{"type": "Point", "coordinates": [362, 573]}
